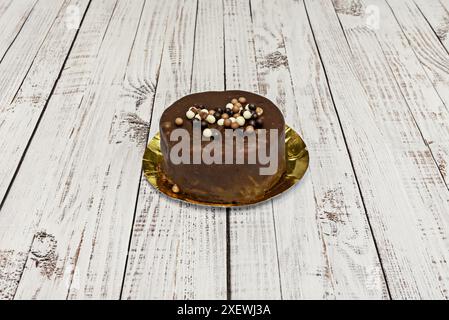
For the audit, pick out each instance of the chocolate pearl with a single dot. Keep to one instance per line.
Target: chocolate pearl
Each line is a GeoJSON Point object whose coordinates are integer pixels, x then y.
{"type": "Point", "coordinates": [254, 116]}
{"type": "Point", "coordinates": [236, 109]}
{"type": "Point", "coordinates": [242, 100]}
{"type": "Point", "coordinates": [252, 123]}
{"type": "Point", "coordinates": [204, 124]}
{"type": "Point", "coordinates": [211, 119]}
{"type": "Point", "coordinates": [207, 133]}
{"type": "Point", "coordinates": [204, 114]}
{"type": "Point", "coordinates": [179, 121]}
{"type": "Point", "coordinates": [259, 122]}
{"type": "Point", "coordinates": [225, 116]}
{"type": "Point", "coordinates": [166, 126]}
{"type": "Point", "coordinates": [229, 112]}
{"type": "Point", "coordinates": [220, 110]}
{"type": "Point", "coordinates": [234, 101]}
{"type": "Point", "coordinates": [227, 123]}
{"type": "Point", "coordinates": [241, 121]}
{"type": "Point", "coordinates": [190, 114]}
{"type": "Point", "coordinates": [175, 189]}
{"type": "Point", "coordinates": [249, 129]}
{"type": "Point", "coordinates": [252, 107]}
{"type": "Point", "coordinates": [235, 125]}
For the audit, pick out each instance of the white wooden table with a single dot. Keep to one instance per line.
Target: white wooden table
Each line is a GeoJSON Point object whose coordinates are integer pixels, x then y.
{"type": "Point", "coordinates": [365, 82]}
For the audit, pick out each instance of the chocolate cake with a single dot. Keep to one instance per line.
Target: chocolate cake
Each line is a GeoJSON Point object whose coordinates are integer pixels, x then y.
{"type": "Point", "coordinates": [216, 123]}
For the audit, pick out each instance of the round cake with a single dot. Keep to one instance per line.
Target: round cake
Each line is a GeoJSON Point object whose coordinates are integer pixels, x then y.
{"type": "Point", "coordinates": [223, 147]}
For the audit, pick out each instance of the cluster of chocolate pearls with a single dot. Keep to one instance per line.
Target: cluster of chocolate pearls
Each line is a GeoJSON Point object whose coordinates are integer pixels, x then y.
{"type": "Point", "coordinates": [233, 115]}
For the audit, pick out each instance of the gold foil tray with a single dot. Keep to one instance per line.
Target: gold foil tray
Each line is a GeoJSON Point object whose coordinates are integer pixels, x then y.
{"type": "Point", "coordinates": [297, 164]}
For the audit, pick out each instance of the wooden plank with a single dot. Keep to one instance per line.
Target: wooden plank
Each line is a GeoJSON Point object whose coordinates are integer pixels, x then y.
{"type": "Point", "coordinates": [13, 15]}
{"type": "Point", "coordinates": [254, 272]}
{"type": "Point", "coordinates": [406, 75]}
{"type": "Point", "coordinates": [409, 222]}
{"type": "Point", "coordinates": [78, 188]}
{"type": "Point", "coordinates": [20, 117]}
{"type": "Point", "coordinates": [14, 68]}
{"type": "Point", "coordinates": [437, 15]}
{"type": "Point", "coordinates": [429, 111]}
{"type": "Point", "coordinates": [429, 50]}
{"type": "Point", "coordinates": [326, 249]}
{"type": "Point", "coordinates": [178, 251]}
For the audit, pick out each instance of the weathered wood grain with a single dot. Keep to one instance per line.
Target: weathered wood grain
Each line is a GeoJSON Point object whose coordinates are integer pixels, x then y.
{"type": "Point", "coordinates": [398, 178]}
{"type": "Point", "coordinates": [178, 251]}
{"type": "Point", "coordinates": [28, 72]}
{"type": "Point", "coordinates": [14, 68]}
{"type": "Point", "coordinates": [71, 174]}
{"type": "Point", "coordinates": [324, 242]}
{"type": "Point", "coordinates": [428, 110]}
{"type": "Point", "coordinates": [429, 50]}
{"type": "Point", "coordinates": [254, 272]}
{"type": "Point", "coordinates": [19, 118]}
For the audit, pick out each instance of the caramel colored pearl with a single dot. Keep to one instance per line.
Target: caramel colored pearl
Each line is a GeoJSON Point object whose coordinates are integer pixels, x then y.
{"type": "Point", "coordinates": [259, 111]}
{"type": "Point", "coordinates": [225, 116]}
{"type": "Point", "coordinates": [211, 112]}
{"type": "Point", "coordinates": [239, 105]}
{"type": "Point", "coordinates": [234, 101]}
{"type": "Point", "coordinates": [175, 189]}
{"type": "Point", "coordinates": [166, 125]}
{"type": "Point", "coordinates": [249, 129]}
{"type": "Point", "coordinates": [242, 100]}
{"type": "Point", "coordinates": [227, 123]}
{"type": "Point", "coordinates": [204, 114]}
{"type": "Point", "coordinates": [235, 125]}
{"type": "Point", "coordinates": [236, 109]}
{"type": "Point", "coordinates": [179, 121]}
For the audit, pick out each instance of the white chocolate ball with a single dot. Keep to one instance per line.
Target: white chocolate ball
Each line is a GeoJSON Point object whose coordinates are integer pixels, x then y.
{"type": "Point", "coordinates": [190, 114]}
{"type": "Point", "coordinates": [198, 117]}
{"type": "Point", "coordinates": [232, 119]}
{"type": "Point", "coordinates": [211, 119]}
{"type": "Point", "coordinates": [229, 106]}
{"type": "Point", "coordinates": [247, 115]}
{"type": "Point", "coordinates": [221, 122]}
{"type": "Point", "coordinates": [207, 133]}
{"type": "Point", "coordinates": [241, 121]}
